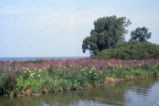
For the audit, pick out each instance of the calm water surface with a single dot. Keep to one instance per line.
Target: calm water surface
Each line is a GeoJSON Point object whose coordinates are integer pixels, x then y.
{"type": "Point", "coordinates": [138, 93]}
{"type": "Point", "coordinates": [38, 58]}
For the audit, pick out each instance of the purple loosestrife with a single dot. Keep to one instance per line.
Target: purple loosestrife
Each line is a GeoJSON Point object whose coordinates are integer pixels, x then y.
{"type": "Point", "coordinates": [71, 65]}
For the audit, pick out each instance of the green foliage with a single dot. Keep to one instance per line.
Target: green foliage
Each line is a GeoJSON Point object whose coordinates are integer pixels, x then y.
{"type": "Point", "coordinates": [58, 80]}
{"type": "Point", "coordinates": [61, 84]}
{"type": "Point", "coordinates": [108, 32]}
{"type": "Point", "coordinates": [20, 85]}
{"type": "Point", "coordinates": [29, 83]}
{"type": "Point", "coordinates": [9, 83]}
{"type": "Point", "coordinates": [2, 82]}
{"type": "Point", "coordinates": [93, 75]}
{"type": "Point", "coordinates": [140, 34]}
{"type": "Point", "coordinates": [126, 73]}
{"type": "Point", "coordinates": [33, 84]}
{"type": "Point", "coordinates": [131, 51]}
{"type": "Point", "coordinates": [61, 80]}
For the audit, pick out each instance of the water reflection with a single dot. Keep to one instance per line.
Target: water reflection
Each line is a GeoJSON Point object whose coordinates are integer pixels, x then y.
{"type": "Point", "coordinates": [138, 93]}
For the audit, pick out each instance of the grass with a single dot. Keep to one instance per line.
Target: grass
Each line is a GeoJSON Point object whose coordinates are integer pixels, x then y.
{"type": "Point", "coordinates": [38, 81]}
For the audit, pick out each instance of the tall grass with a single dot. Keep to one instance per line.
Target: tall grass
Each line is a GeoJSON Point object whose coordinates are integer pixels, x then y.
{"type": "Point", "coordinates": [45, 76]}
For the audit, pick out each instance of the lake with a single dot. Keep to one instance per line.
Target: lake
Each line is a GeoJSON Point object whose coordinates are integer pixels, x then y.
{"type": "Point", "coordinates": [38, 58]}
{"type": "Point", "coordinates": [136, 93]}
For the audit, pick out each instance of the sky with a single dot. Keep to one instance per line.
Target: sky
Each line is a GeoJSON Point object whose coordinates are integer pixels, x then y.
{"type": "Point", "coordinates": [56, 28]}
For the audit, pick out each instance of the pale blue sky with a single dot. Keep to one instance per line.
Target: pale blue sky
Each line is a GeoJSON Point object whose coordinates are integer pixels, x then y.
{"type": "Point", "coordinates": [58, 27]}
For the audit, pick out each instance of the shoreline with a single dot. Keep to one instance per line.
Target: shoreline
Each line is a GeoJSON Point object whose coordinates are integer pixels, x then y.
{"type": "Point", "coordinates": [49, 76]}
{"type": "Point", "coordinates": [109, 82]}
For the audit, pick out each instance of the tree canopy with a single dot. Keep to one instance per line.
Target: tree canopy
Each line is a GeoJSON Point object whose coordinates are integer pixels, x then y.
{"type": "Point", "coordinates": [107, 32]}
{"type": "Point", "coordinates": [140, 34]}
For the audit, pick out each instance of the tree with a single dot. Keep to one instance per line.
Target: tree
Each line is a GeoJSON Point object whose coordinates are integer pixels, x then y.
{"type": "Point", "coordinates": [140, 34]}
{"type": "Point", "coordinates": [107, 32]}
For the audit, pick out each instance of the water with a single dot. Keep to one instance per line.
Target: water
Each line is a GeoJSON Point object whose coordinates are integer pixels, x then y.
{"type": "Point", "coordinates": [37, 58]}
{"type": "Point", "coordinates": [138, 93]}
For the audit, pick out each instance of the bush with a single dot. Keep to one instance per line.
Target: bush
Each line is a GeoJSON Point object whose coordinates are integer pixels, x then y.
{"type": "Point", "coordinates": [131, 51]}
{"type": "Point", "coordinates": [2, 77]}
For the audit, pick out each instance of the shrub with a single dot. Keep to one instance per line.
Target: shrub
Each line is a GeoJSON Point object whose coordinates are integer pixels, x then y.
{"type": "Point", "coordinates": [131, 51]}
{"type": "Point", "coordinates": [2, 77]}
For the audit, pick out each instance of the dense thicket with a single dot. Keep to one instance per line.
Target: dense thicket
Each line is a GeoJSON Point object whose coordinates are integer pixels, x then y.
{"type": "Point", "coordinates": [131, 51]}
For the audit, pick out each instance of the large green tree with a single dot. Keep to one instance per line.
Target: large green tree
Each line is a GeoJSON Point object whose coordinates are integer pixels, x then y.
{"type": "Point", "coordinates": [107, 32]}
{"type": "Point", "coordinates": [140, 34]}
